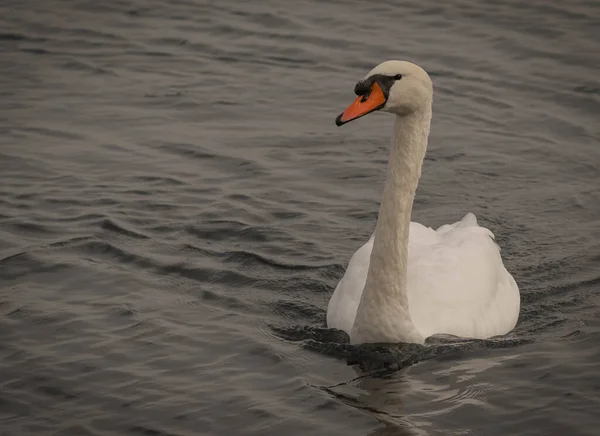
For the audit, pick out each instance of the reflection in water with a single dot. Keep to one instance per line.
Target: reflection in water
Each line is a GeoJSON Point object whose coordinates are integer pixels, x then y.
{"type": "Point", "coordinates": [383, 389]}
{"type": "Point", "coordinates": [382, 396]}
{"type": "Point", "coordinates": [388, 396]}
{"type": "Point", "coordinates": [414, 389]}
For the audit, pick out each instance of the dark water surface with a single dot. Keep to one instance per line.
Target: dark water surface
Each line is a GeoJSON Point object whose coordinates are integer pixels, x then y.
{"type": "Point", "coordinates": [177, 205]}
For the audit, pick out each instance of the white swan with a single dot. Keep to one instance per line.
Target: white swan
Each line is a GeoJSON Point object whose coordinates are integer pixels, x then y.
{"type": "Point", "coordinates": [408, 281]}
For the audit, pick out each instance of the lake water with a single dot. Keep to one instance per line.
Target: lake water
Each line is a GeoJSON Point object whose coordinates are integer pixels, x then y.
{"type": "Point", "coordinates": [177, 206]}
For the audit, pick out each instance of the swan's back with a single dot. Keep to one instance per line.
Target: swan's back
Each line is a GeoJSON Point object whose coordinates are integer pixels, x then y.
{"type": "Point", "coordinates": [458, 284]}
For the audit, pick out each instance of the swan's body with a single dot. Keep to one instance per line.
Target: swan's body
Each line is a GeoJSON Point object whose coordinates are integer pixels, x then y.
{"type": "Point", "coordinates": [408, 281]}
{"type": "Point", "coordinates": [456, 283]}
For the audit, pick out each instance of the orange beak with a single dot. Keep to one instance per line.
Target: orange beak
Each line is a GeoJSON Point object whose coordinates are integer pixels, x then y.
{"type": "Point", "coordinates": [363, 105]}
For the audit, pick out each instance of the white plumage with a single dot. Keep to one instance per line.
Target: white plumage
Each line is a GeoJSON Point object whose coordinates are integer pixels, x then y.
{"type": "Point", "coordinates": [457, 283]}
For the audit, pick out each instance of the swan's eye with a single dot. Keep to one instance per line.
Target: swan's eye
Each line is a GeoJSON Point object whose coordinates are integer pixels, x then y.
{"type": "Point", "coordinates": [361, 88]}
{"type": "Point", "coordinates": [398, 77]}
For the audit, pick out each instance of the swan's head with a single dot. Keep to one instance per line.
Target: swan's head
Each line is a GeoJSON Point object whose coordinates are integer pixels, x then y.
{"type": "Point", "coordinates": [399, 87]}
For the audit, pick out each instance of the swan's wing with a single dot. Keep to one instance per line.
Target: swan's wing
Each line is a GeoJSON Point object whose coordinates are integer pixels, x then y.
{"type": "Point", "coordinates": [343, 304]}
{"type": "Point", "coordinates": [457, 283]}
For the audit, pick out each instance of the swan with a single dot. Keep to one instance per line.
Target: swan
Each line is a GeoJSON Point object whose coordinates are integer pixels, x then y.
{"type": "Point", "coordinates": [408, 281]}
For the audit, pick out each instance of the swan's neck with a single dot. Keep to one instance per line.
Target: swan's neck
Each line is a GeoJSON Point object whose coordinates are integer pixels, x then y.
{"type": "Point", "coordinates": [383, 314]}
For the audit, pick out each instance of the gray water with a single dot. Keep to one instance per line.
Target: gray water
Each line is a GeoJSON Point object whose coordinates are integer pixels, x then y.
{"type": "Point", "coordinates": [177, 206]}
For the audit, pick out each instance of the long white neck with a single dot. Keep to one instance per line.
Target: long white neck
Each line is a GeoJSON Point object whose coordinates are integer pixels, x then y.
{"type": "Point", "coordinates": [383, 314]}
